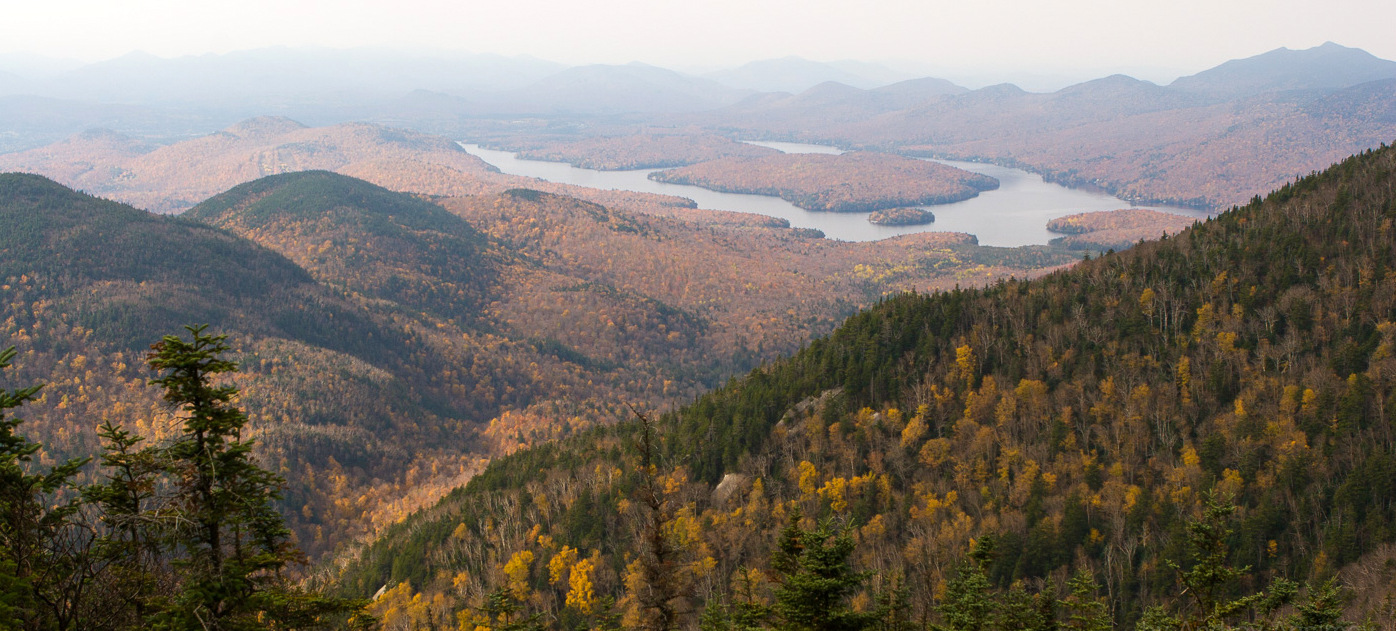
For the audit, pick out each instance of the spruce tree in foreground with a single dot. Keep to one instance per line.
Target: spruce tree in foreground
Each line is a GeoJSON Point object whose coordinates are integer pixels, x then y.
{"type": "Point", "coordinates": [816, 579]}
{"type": "Point", "coordinates": [229, 546]}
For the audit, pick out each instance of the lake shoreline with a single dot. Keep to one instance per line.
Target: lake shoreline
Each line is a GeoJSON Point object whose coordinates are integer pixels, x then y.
{"type": "Point", "coordinates": [1013, 215]}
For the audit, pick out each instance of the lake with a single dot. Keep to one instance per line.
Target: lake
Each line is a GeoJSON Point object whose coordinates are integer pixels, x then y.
{"type": "Point", "coordinates": [1013, 215]}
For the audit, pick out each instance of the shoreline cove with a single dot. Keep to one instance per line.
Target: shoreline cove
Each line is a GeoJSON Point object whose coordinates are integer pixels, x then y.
{"type": "Point", "coordinates": [1015, 214]}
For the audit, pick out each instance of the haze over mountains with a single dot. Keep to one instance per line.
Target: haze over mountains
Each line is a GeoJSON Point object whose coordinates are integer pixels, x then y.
{"type": "Point", "coordinates": [325, 86]}
{"type": "Point", "coordinates": [1190, 142]}
{"type": "Point", "coordinates": [795, 74]}
{"type": "Point", "coordinates": [407, 316]}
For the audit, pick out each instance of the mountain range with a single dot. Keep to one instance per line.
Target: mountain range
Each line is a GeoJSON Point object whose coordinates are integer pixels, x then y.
{"type": "Point", "coordinates": [499, 402]}
{"type": "Point", "coordinates": [392, 341]}
{"type": "Point", "coordinates": [796, 74]}
{"type": "Point", "coordinates": [327, 86]}
{"type": "Point", "coordinates": [1190, 142]}
{"type": "Point", "coordinates": [1216, 399]}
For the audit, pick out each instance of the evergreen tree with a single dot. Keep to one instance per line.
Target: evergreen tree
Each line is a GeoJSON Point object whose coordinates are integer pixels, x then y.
{"type": "Point", "coordinates": [665, 587]}
{"type": "Point", "coordinates": [744, 614]}
{"type": "Point", "coordinates": [1085, 612]}
{"type": "Point", "coordinates": [503, 611]}
{"type": "Point", "coordinates": [894, 606]}
{"type": "Point", "coordinates": [816, 578]}
{"type": "Point", "coordinates": [1017, 610]}
{"type": "Point", "coordinates": [13, 595]}
{"type": "Point", "coordinates": [1047, 608]}
{"type": "Point", "coordinates": [229, 543]}
{"type": "Point", "coordinates": [45, 566]}
{"type": "Point", "coordinates": [127, 501]}
{"type": "Point", "coordinates": [968, 604]}
{"type": "Point", "coordinates": [1323, 611]}
{"type": "Point", "coordinates": [1211, 581]}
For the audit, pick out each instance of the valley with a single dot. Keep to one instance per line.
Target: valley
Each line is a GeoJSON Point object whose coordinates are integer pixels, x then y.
{"type": "Point", "coordinates": [506, 316]}
{"type": "Point", "coordinates": [1012, 215]}
{"type": "Point", "coordinates": [1066, 419]}
{"type": "Point", "coordinates": [524, 345]}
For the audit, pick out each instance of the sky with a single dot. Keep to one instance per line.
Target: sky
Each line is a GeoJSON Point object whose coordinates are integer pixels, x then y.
{"type": "Point", "coordinates": [1157, 39]}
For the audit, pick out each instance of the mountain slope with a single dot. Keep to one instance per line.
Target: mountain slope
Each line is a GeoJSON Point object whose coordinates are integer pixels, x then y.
{"type": "Point", "coordinates": [1329, 66]}
{"type": "Point", "coordinates": [174, 177]}
{"type": "Point", "coordinates": [372, 374]}
{"type": "Point", "coordinates": [1190, 143]}
{"type": "Point", "coordinates": [90, 284]}
{"type": "Point", "coordinates": [411, 251]}
{"type": "Point", "coordinates": [75, 241]}
{"type": "Point", "coordinates": [390, 345]}
{"type": "Point", "coordinates": [1080, 418]}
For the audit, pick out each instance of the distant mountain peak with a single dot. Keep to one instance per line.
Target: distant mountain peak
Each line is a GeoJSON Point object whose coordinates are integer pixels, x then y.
{"type": "Point", "coordinates": [262, 126]}
{"type": "Point", "coordinates": [1329, 66]}
{"type": "Point", "coordinates": [796, 74]}
{"type": "Point", "coordinates": [102, 134]}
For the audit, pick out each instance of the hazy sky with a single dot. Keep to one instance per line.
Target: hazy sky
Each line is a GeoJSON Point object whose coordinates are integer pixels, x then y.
{"type": "Point", "coordinates": [1030, 36]}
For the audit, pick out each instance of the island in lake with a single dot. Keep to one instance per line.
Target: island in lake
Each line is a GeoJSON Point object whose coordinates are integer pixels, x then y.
{"type": "Point", "coordinates": [1115, 229]}
{"type": "Point", "coordinates": [851, 182]}
{"type": "Point", "coordinates": [901, 217]}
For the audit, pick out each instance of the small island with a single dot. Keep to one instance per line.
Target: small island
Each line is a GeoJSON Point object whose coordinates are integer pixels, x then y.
{"type": "Point", "coordinates": [1115, 229]}
{"type": "Point", "coordinates": [859, 181]}
{"type": "Point", "coordinates": [901, 217]}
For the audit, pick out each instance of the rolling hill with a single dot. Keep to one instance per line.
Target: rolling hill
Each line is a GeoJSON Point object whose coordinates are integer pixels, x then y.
{"type": "Point", "coordinates": [392, 343]}
{"type": "Point", "coordinates": [1080, 420]}
{"type": "Point", "coordinates": [174, 177]}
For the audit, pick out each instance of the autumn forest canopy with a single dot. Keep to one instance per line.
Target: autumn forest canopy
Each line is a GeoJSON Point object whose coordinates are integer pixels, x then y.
{"type": "Point", "coordinates": [1179, 434]}
{"type": "Point", "coordinates": [1191, 414]}
{"type": "Point", "coordinates": [350, 375]}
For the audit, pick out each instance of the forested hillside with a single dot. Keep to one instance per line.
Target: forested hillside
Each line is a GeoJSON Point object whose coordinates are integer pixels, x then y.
{"type": "Point", "coordinates": [1210, 140]}
{"type": "Point", "coordinates": [391, 344]}
{"type": "Point", "coordinates": [850, 182]}
{"type": "Point", "coordinates": [338, 385]}
{"type": "Point", "coordinates": [1097, 420]}
{"type": "Point", "coordinates": [174, 177]}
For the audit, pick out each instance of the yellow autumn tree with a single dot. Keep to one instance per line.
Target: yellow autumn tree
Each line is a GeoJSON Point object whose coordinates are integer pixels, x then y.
{"type": "Point", "coordinates": [516, 572]}
{"type": "Point", "coordinates": [580, 594]}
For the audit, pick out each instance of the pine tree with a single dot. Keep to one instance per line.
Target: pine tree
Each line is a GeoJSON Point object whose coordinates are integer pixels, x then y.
{"type": "Point", "coordinates": [665, 588]}
{"type": "Point", "coordinates": [1211, 579]}
{"type": "Point", "coordinates": [894, 606]}
{"type": "Point", "coordinates": [1047, 608]}
{"type": "Point", "coordinates": [14, 594]}
{"type": "Point", "coordinates": [127, 502]}
{"type": "Point", "coordinates": [503, 611]}
{"type": "Point", "coordinates": [1324, 609]}
{"type": "Point", "coordinates": [229, 543]}
{"type": "Point", "coordinates": [1085, 612]}
{"type": "Point", "coordinates": [968, 604]}
{"type": "Point", "coordinates": [745, 613]}
{"type": "Point", "coordinates": [816, 578]}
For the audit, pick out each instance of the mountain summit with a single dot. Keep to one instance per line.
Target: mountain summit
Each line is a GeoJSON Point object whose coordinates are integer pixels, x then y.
{"type": "Point", "coordinates": [1329, 66]}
